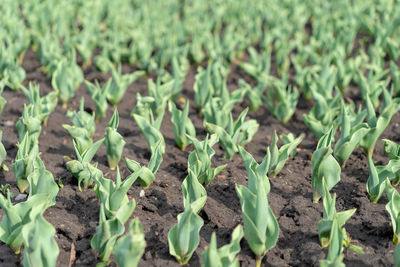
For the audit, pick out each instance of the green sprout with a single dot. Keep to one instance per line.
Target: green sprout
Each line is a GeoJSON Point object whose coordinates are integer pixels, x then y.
{"type": "Point", "coordinates": [183, 237]}
{"type": "Point", "coordinates": [66, 78]}
{"type": "Point", "coordinates": [279, 156]}
{"type": "Point", "coordinates": [120, 83]}
{"type": "Point", "coordinates": [282, 100]}
{"type": "Point", "coordinates": [224, 256]}
{"type": "Point", "coordinates": [114, 141]}
{"type": "Point", "coordinates": [351, 134]}
{"type": "Point", "coordinates": [378, 124]}
{"type": "Point", "coordinates": [375, 183]}
{"type": "Point", "coordinates": [83, 119]}
{"type": "Point", "coordinates": [199, 160]}
{"type": "Point", "coordinates": [183, 126]}
{"type": "Point", "coordinates": [81, 168]}
{"type": "Point", "coordinates": [129, 248]}
{"type": "Point", "coordinates": [237, 133]}
{"type": "Point", "coordinates": [324, 165]}
{"type": "Point", "coordinates": [38, 238]}
{"type": "Point", "coordinates": [99, 97]}
{"type": "Point", "coordinates": [393, 208]}
{"type": "Point", "coordinates": [260, 225]}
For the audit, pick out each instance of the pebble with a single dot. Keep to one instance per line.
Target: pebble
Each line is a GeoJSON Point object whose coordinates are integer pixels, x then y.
{"type": "Point", "coordinates": [141, 194]}
{"type": "Point", "coordinates": [21, 197]}
{"type": "Point", "coordinates": [9, 123]}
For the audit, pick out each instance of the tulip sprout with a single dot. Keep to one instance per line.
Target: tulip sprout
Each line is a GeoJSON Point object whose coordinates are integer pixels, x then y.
{"type": "Point", "coordinates": [114, 141]}
{"type": "Point", "coordinates": [324, 165]}
{"type": "Point", "coordinates": [260, 225]}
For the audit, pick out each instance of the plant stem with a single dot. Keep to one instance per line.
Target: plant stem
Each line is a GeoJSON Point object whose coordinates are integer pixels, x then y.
{"type": "Point", "coordinates": [258, 261]}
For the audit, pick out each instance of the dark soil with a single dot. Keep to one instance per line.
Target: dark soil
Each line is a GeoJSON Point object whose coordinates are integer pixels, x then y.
{"type": "Point", "coordinates": [75, 214]}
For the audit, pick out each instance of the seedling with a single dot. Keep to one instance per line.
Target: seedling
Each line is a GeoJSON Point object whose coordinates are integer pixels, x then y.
{"type": "Point", "coordinates": [224, 256]}
{"type": "Point", "coordinates": [324, 165]}
{"type": "Point", "coordinates": [114, 141]}
{"type": "Point", "coordinates": [183, 126]}
{"type": "Point", "coordinates": [99, 97]}
{"type": "Point", "coordinates": [352, 132]}
{"type": "Point", "coordinates": [183, 238]}
{"type": "Point", "coordinates": [120, 83]}
{"type": "Point", "coordinates": [238, 133]}
{"type": "Point", "coordinates": [279, 156]}
{"type": "Point", "coordinates": [83, 119]}
{"type": "Point", "coordinates": [260, 225]}
{"type": "Point", "coordinates": [66, 78]}
{"type": "Point", "coordinates": [199, 160]}
{"type": "Point", "coordinates": [129, 248]}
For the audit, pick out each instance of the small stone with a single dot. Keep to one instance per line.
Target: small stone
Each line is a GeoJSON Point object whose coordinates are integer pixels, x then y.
{"type": "Point", "coordinates": [21, 197]}
{"type": "Point", "coordinates": [141, 194]}
{"type": "Point", "coordinates": [9, 123]}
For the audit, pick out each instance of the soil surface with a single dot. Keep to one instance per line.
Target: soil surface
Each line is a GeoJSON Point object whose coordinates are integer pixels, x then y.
{"type": "Point", "coordinates": [75, 215]}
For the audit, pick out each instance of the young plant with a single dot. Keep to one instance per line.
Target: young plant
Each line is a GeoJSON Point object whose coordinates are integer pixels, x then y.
{"type": "Point", "coordinates": [161, 93]}
{"type": "Point", "coordinates": [375, 183]}
{"type": "Point", "coordinates": [129, 248]}
{"type": "Point", "coordinates": [352, 132]}
{"type": "Point", "coordinates": [155, 141]}
{"type": "Point", "coordinates": [321, 116]}
{"type": "Point", "coordinates": [183, 237]}
{"type": "Point", "coordinates": [146, 177]}
{"type": "Point", "coordinates": [392, 169]}
{"type": "Point", "coordinates": [106, 235]}
{"type": "Point", "coordinates": [83, 119]}
{"type": "Point", "coordinates": [66, 78]}
{"type": "Point", "coordinates": [282, 100]}
{"type": "Point", "coordinates": [237, 134]}
{"type": "Point", "coordinates": [330, 214]}
{"type": "Point", "coordinates": [41, 181]}
{"type": "Point", "coordinates": [395, 71]}
{"type": "Point", "coordinates": [324, 165]}
{"type": "Point", "coordinates": [25, 161]}
{"type": "Point", "coordinates": [30, 123]}
{"type": "Point", "coordinates": [372, 86]}
{"type": "Point", "coordinates": [114, 141]}
{"type": "Point", "coordinates": [120, 83]}
{"type": "Point", "coordinates": [377, 124]}
{"type": "Point", "coordinates": [113, 196]}
{"type": "Point", "coordinates": [224, 256]}
{"type": "Point", "coordinates": [203, 89]}
{"type": "Point", "coordinates": [194, 194]}
{"type": "Point", "coordinates": [156, 157]}
{"type": "Point", "coordinates": [279, 156]}
{"type": "Point", "coordinates": [259, 66]}
{"type": "Point", "coordinates": [393, 207]}
{"type": "Point", "coordinates": [254, 95]}
{"type": "Point", "coordinates": [183, 126]}
{"type": "Point", "coordinates": [3, 153]}
{"type": "Point", "coordinates": [80, 137]}
{"type": "Point", "coordinates": [288, 139]}
{"type": "Point", "coordinates": [143, 108]}
{"type": "Point", "coordinates": [42, 105]}
{"type": "Point", "coordinates": [99, 97]}
{"type": "Point", "coordinates": [81, 168]}
{"type": "Point", "coordinates": [199, 160]}
{"type": "Point", "coordinates": [180, 67]}
{"type": "Point", "coordinates": [3, 101]}
{"type": "Point", "coordinates": [335, 252]}
{"type": "Point", "coordinates": [16, 216]}
{"type": "Point", "coordinates": [260, 225]}
{"type": "Point", "coordinates": [217, 109]}
{"type": "Point", "coordinates": [38, 239]}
